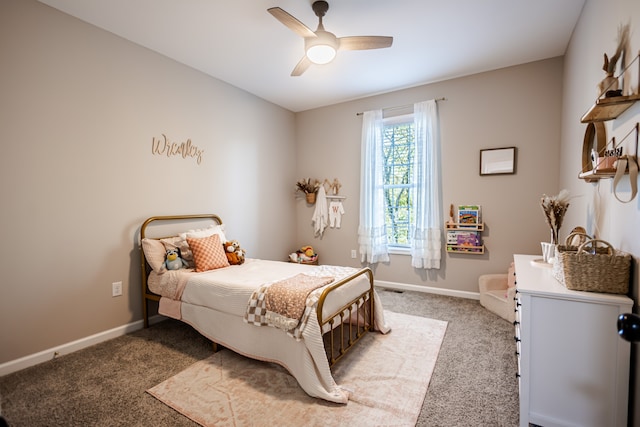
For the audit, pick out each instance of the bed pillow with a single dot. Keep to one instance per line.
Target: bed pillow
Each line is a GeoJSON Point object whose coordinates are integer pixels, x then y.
{"type": "Point", "coordinates": [208, 253]}
{"type": "Point", "coordinates": [154, 252]}
{"type": "Point", "coordinates": [206, 232]}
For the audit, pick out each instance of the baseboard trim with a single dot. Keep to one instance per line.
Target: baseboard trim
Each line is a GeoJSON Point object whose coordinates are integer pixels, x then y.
{"type": "Point", "coordinates": [52, 353]}
{"type": "Point", "coordinates": [426, 289]}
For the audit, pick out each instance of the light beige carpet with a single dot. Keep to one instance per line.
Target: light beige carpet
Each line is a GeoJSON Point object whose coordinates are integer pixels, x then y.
{"type": "Point", "coordinates": [388, 376]}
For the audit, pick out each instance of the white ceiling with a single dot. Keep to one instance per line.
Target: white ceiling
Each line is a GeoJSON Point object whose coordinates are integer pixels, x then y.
{"type": "Point", "coordinates": [239, 42]}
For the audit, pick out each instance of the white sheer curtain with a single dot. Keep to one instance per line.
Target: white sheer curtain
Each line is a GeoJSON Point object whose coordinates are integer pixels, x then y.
{"type": "Point", "coordinates": [372, 235]}
{"type": "Point", "coordinates": [426, 243]}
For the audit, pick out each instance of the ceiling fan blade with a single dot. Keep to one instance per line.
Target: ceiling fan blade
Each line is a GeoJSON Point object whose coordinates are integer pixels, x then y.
{"type": "Point", "coordinates": [292, 23]}
{"type": "Point", "coordinates": [365, 42]}
{"type": "Point", "coordinates": [301, 67]}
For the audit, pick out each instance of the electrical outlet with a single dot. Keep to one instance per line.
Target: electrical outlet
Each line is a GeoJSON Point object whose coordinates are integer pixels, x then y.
{"type": "Point", "coordinates": [116, 289]}
{"type": "Point", "coordinates": [353, 253]}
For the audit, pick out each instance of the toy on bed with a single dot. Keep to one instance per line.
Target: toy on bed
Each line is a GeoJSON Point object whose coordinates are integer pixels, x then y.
{"type": "Point", "coordinates": [235, 254]}
{"type": "Point", "coordinates": [174, 260]}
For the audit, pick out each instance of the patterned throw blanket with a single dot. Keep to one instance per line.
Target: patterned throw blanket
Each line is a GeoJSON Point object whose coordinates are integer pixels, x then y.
{"type": "Point", "coordinates": [285, 304]}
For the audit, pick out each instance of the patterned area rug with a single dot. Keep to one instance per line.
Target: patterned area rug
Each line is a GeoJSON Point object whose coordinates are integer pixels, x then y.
{"type": "Point", "coordinates": [387, 376]}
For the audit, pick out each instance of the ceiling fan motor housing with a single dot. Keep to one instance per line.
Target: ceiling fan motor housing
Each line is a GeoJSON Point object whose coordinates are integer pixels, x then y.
{"type": "Point", "coordinates": [320, 7]}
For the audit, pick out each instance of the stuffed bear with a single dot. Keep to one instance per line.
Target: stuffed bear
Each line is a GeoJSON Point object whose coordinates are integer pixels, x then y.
{"type": "Point", "coordinates": [174, 260]}
{"type": "Point", "coordinates": [235, 254]}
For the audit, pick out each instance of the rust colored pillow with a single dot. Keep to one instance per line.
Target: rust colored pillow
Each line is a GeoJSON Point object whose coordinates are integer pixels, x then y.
{"type": "Point", "coordinates": [208, 253]}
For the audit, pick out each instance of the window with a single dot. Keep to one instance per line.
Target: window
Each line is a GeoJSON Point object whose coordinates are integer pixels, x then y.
{"type": "Point", "coordinates": [399, 157]}
{"type": "Point", "coordinates": [400, 187]}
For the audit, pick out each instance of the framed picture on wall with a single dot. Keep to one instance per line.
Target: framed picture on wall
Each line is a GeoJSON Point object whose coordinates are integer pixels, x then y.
{"type": "Point", "coordinates": [498, 161]}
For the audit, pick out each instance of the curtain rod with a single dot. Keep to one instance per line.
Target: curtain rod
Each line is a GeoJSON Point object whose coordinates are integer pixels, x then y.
{"type": "Point", "coordinates": [403, 106]}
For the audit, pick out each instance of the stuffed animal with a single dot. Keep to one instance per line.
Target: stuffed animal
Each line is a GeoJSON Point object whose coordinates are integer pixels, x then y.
{"type": "Point", "coordinates": [306, 254]}
{"type": "Point", "coordinates": [235, 254]}
{"type": "Point", "coordinates": [174, 260]}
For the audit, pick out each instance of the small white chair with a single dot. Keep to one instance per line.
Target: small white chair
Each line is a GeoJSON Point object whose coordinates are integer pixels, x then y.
{"type": "Point", "coordinates": [498, 292]}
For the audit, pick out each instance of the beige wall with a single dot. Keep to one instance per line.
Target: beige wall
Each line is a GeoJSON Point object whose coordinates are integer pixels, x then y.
{"type": "Point", "coordinates": [78, 110]}
{"type": "Point", "coordinates": [518, 106]}
{"type": "Point", "coordinates": [595, 206]}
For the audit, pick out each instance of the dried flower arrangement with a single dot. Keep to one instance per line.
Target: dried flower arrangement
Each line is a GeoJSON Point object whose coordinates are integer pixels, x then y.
{"type": "Point", "coordinates": [307, 187]}
{"type": "Point", "coordinates": [554, 208]}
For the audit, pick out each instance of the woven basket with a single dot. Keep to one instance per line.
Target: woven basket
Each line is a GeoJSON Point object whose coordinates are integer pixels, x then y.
{"type": "Point", "coordinates": [311, 198]}
{"type": "Point", "coordinates": [588, 269]}
{"type": "Point", "coordinates": [569, 246]}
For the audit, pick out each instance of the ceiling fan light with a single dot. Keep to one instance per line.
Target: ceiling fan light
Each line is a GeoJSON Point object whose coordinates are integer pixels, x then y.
{"type": "Point", "coordinates": [322, 48]}
{"type": "Point", "coordinates": [321, 53]}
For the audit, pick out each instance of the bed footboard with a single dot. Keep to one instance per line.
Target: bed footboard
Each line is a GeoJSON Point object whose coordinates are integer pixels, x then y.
{"type": "Point", "coordinates": [349, 323]}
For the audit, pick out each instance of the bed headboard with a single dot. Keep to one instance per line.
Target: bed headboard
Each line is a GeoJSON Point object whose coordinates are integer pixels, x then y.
{"type": "Point", "coordinates": [176, 219]}
{"type": "Point", "coordinates": [164, 222]}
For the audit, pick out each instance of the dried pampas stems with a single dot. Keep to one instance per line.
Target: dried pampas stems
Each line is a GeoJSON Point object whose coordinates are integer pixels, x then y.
{"type": "Point", "coordinates": [554, 208]}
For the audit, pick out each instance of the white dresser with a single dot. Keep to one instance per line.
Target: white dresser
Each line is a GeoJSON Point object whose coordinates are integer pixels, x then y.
{"type": "Point", "coordinates": [573, 367]}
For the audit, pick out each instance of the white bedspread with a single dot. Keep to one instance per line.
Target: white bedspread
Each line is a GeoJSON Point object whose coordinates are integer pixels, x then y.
{"type": "Point", "coordinates": [215, 302]}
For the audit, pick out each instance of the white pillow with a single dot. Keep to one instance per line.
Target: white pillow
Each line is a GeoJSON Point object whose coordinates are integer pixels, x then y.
{"type": "Point", "coordinates": [206, 232]}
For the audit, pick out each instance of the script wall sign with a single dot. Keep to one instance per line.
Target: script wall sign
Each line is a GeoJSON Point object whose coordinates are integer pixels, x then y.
{"type": "Point", "coordinates": [163, 146]}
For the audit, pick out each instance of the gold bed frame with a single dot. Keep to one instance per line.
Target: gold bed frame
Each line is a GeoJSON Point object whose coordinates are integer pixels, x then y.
{"type": "Point", "coordinates": [344, 327]}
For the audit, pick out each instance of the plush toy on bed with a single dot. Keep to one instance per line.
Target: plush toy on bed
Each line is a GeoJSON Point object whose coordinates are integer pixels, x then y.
{"type": "Point", "coordinates": [235, 254]}
{"type": "Point", "coordinates": [174, 260]}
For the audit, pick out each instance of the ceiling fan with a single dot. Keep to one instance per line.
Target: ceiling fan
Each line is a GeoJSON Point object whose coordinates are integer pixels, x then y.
{"type": "Point", "coordinates": [321, 46]}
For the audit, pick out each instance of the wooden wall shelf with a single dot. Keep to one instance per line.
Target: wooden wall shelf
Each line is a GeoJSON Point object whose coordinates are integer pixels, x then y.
{"type": "Point", "coordinates": [594, 175]}
{"type": "Point", "coordinates": [591, 174]}
{"type": "Point", "coordinates": [609, 108]}
{"type": "Point", "coordinates": [461, 226]}
{"type": "Point", "coordinates": [467, 250]}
